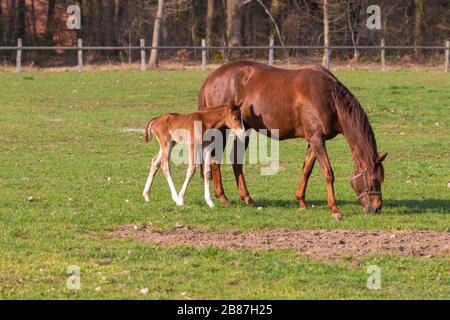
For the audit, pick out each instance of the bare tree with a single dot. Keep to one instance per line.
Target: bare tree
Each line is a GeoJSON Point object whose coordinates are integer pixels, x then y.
{"type": "Point", "coordinates": [418, 12]}
{"type": "Point", "coordinates": [2, 28]}
{"type": "Point", "coordinates": [275, 11]}
{"type": "Point", "coordinates": [195, 12]}
{"type": "Point", "coordinates": [354, 25]}
{"type": "Point", "coordinates": [234, 22]}
{"type": "Point", "coordinates": [107, 22]}
{"type": "Point", "coordinates": [156, 31]}
{"type": "Point", "coordinates": [326, 34]}
{"type": "Point", "coordinates": [209, 22]}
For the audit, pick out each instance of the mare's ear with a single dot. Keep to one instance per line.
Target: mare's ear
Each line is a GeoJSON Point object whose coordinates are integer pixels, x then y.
{"type": "Point", "coordinates": [381, 158]}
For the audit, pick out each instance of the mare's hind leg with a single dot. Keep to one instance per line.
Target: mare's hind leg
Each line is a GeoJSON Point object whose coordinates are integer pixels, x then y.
{"type": "Point", "coordinates": [308, 166]}
{"type": "Point", "coordinates": [156, 163]}
{"type": "Point", "coordinates": [166, 169]}
{"type": "Point", "coordinates": [318, 145]}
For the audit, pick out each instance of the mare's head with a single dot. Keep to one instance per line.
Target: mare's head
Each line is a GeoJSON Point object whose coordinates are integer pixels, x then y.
{"type": "Point", "coordinates": [235, 121]}
{"type": "Point", "coordinates": [367, 185]}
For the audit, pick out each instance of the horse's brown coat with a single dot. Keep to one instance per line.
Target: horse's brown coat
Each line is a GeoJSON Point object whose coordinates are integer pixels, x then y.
{"type": "Point", "coordinates": [306, 103]}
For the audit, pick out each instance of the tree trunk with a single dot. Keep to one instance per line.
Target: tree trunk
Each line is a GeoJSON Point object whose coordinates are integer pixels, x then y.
{"type": "Point", "coordinates": [326, 34]}
{"type": "Point", "coordinates": [418, 14]}
{"type": "Point", "coordinates": [33, 22]}
{"type": "Point", "coordinates": [353, 26]}
{"type": "Point", "coordinates": [107, 22]}
{"type": "Point", "coordinates": [10, 33]}
{"type": "Point", "coordinates": [275, 11]}
{"type": "Point", "coordinates": [195, 22]}
{"type": "Point", "coordinates": [50, 27]}
{"type": "Point", "coordinates": [117, 5]}
{"type": "Point", "coordinates": [2, 28]}
{"type": "Point", "coordinates": [209, 23]}
{"type": "Point", "coordinates": [156, 31]}
{"type": "Point", "coordinates": [233, 23]}
{"type": "Point", "coordinates": [21, 19]}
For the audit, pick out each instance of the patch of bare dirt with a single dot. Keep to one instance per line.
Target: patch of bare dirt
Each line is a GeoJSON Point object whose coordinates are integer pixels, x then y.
{"type": "Point", "coordinates": [329, 244]}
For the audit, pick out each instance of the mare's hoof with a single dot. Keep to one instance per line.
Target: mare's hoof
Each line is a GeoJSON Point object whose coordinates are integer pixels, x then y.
{"type": "Point", "coordinates": [248, 200]}
{"type": "Point", "coordinates": [337, 215]}
{"type": "Point", "coordinates": [223, 200]}
{"type": "Point", "coordinates": [302, 206]}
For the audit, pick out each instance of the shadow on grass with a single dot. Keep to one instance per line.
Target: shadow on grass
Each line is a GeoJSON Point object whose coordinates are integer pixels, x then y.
{"type": "Point", "coordinates": [407, 206]}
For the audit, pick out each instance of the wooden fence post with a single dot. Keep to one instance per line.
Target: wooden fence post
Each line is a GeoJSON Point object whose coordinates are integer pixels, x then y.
{"type": "Point", "coordinates": [142, 67]}
{"type": "Point", "coordinates": [271, 43]}
{"type": "Point", "coordinates": [19, 56]}
{"type": "Point", "coordinates": [383, 57]}
{"type": "Point", "coordinates": [447, 54]}
{"type": "Point", "coordinates": [327, 58]}
{"type": "Point", "coordinates": [203, 54]}
{"type": "Point", "coordinates": [80, 55]}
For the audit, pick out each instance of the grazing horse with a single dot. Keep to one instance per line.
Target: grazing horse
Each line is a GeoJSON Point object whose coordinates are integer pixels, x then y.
{"type": "Point", "coordinates": [307, 103]}
{"type": "Point", "coordinates": [171, 128]}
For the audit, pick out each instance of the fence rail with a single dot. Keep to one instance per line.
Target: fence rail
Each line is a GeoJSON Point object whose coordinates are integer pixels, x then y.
{"type": "Point", "coordinates": [204, 49]}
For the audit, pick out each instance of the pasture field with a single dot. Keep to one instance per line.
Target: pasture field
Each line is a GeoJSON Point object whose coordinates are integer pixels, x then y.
{"type": "Point", "coordinates": [70, 174]}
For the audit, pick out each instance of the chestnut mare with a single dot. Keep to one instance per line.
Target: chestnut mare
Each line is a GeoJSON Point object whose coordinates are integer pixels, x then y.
{"type": "Point", "coordinates": [306, 103]}
{"type": "Point", "coordinates": [171, 128]}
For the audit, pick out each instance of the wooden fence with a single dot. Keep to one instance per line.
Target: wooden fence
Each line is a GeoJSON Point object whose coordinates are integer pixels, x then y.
{"type": "Point", "coordinates": [204, 49]}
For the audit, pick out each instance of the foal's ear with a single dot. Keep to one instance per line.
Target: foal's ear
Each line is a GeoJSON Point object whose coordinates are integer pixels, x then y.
{"type": "Point", "coordinates": [236, 106]}
{"type": "Point", "coordinates": [381, 158]}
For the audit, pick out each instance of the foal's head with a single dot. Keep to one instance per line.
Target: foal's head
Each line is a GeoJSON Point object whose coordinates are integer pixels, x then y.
{"type": "Point", "coordinates": [235, 121]}
{"type": "Point", "coordinates": [367, 185]}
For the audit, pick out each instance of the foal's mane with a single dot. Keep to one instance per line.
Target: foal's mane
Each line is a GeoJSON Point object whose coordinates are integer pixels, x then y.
{"type": "Point", "coordinates": [356, 128]}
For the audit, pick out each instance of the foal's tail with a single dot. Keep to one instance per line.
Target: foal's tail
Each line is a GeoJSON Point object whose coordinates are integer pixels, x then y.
{"type": "Point", "coordinates": [148, 131]}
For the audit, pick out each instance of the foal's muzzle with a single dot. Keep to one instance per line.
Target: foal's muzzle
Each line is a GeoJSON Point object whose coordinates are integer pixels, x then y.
{"type": "Point", "coordinates": [240, 133]}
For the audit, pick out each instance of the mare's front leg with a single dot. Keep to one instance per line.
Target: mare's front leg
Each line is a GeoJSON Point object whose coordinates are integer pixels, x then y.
{"type": "Point", "coordinates": [156, 163]}
{"type": "Point", "coordinates": [237, 159]}
{"type": "Point", "coordinates": [308, 166]}
{"type": "Point", "coordinates": [217, 175]}
{"type": "Point", "coordinates": [207, 175]}
{"type": "Point", "coordinates": [318, 145]}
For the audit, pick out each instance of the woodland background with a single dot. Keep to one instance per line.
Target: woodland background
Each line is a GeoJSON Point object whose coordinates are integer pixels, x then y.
{"type": "Point", "coordinates": [222, 23]}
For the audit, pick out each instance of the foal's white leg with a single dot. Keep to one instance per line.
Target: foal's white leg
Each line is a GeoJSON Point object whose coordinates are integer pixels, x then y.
{"type": "Point", "coordinates": [190, 172]}
{"type": "Point", "coordinates": [166, 170]}
{"type": "Point", "coordinates": [156, 163]}
{"type": "Point", "coordinates": [207, 176]}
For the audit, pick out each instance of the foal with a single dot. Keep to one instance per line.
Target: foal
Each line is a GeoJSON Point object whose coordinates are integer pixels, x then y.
{"type": "Point", "coordinates": [189, 129]}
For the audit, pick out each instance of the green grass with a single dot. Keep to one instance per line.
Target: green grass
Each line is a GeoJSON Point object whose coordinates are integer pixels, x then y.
{"type": "Point", "coordinates": [61, 142]}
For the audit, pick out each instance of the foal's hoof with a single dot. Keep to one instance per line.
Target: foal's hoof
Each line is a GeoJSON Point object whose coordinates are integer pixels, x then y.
{"type": "Point", "coordinates": [146, 198]}
{"type": "Point", "coordinates": [337, 215]}
{"type": "Point", "coordinates": [210, 204]}
{"type": "Point", "coordinates": [180, 202]}
{"type": "Point", "coordinates": [302, 206]}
